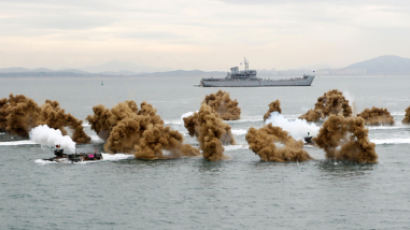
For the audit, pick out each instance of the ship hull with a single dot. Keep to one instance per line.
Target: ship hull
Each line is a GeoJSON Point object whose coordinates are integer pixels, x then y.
{"type": "Point", "coordinates": [212, 82]}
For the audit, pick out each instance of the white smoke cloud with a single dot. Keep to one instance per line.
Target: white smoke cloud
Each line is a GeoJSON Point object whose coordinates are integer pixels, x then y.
{"type": "Point", "coordinates": [187, 114]}
{"type": "Point", "coordinates": [50, 137]}
{"type": "Point", "coordinates": [298, 128]}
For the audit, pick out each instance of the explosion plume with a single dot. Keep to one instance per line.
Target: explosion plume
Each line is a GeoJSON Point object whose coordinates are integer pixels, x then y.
{"type": "Point", "coordinates": [222, 104]}
{"type": "Point", "coordinates": [262, 142]}
{"type": "Point", "coordinates": [376, 116]}
{"type": "Point", "coordinates": [346, 139]}
{"type": "Point", "coordinates": [211, 133]}
{"type": "Point", "coordinates": [103, 119]}
{"type": "Point", "coordinates": [19, 114]}
{"type": "Point", "coordinates": [406, 119]}
{"type": "Point", "coordinates": [331, 103]}
{"type": "Point", "coordinates": [274, 106]}
{"type": "Point", "coordinates": [192, 124]}
{"type": "Point", "coordinates": [3, 114]}
{"type": "Point", "coordinates": [55, 117]}
{"type": "Point", "coordinates": [140, 132]}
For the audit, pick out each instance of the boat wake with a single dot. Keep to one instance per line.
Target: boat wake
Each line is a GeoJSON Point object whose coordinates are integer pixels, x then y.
{"type": "Point", "coordinates": [388, 127]}
{"type": "Point", "coordinates": [15, 143]}
{"type": "Point", "coordinates": [391, 141]}
{"type": "Point", "coordinates": [116, 157]}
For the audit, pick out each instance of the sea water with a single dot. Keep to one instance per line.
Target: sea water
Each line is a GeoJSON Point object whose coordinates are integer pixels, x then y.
{"type": "Point", "coordinates": [191, 193]}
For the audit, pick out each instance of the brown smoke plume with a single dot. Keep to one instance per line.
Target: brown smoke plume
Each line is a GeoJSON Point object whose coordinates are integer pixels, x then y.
{"type": "Point", "coordinates": [273, 106]}
{"type": "Point", "coordinates": [3, 114]}
{"type": "Point", "coordinates": [141, 132]}
{"type": "Point", "coordinates": [222, 104]}
{"type": "Point", "coordinates": [192, 124]}
{"type": "Point", "coordinates": [346, 139]}
{"type": "Point", "coordinates": [376, 116]}
{"type": "Point", "coordinates": [211, 133]}
{"type": "Point", "coordinates": [406, 119]}
{"type": "Point", "coordinates": [19, 114]}
{"type": "Point", "coordinates": [331, 103]}
{"type": "Point", "coordinates": [55, 117]}
{"type": "Point", "coordinates": [262, 142]}
{"type": "Point", "coordinates": [103, 119]}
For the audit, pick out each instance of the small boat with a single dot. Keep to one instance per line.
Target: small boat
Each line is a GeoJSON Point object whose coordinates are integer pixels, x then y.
{"type": "Point", "coordinates": [60, 156]}
{"type": "Point", "coordinates": [76, 157]}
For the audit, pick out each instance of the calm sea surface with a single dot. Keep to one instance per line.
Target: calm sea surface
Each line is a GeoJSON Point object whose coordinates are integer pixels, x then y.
{"type": "Point", "coordinates": [191, 193]}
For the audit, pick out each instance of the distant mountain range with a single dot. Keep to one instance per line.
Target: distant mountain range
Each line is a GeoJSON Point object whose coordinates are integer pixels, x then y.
{"type": "Point", "coordinates": [382, 65]}
{"type": "Point", "coordinates": [388, 64]}
{"type": "Point", "coordinates": [43, 72]}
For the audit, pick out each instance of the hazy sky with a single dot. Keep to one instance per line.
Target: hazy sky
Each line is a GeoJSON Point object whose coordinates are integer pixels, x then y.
{"type": "Point", "coordinates": [149, 35]}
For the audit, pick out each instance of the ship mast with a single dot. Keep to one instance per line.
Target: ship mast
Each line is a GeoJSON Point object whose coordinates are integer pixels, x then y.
{"type": "Point", "coordinates": [246, 63]}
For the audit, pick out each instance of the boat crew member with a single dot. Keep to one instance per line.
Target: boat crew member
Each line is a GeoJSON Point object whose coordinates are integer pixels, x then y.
{"type": "Point", "coordinates": [308, 139]}
{"type": "Point", "coordinates": [58, 151]}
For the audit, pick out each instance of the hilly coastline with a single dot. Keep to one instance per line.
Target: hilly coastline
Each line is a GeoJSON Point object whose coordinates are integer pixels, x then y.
{"type": "Point", "coordinates": [382, 65]}
{"type": "Point", "coordinates": [388, 64]}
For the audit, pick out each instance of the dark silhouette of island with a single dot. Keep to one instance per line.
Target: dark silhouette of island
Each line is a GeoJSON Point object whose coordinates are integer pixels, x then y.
{"type": "Point", "coordinates": [383, 65]}
{"type": "Point", "coordinates": [43, 72]}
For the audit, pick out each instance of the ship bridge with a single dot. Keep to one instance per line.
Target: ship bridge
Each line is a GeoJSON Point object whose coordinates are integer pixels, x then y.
{"type": "Point", "coordinates": [242, 74]}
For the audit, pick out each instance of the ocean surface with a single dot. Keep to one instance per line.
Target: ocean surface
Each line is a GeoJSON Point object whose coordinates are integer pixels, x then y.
{"type": "Point", "coordinates": [191, 193]}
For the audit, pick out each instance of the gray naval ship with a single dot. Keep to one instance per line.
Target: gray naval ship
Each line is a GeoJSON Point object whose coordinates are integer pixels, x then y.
{"type": "Point", "coordinates": [247, 78]}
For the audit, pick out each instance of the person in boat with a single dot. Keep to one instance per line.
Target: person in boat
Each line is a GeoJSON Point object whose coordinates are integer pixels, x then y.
{"type": "Point", "coordinates": [308, 139]}
{"type": "Point", "coordinates": [59, 152]}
